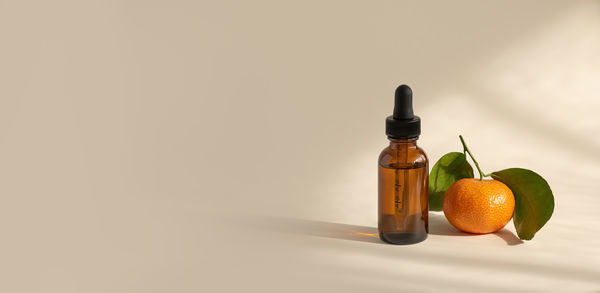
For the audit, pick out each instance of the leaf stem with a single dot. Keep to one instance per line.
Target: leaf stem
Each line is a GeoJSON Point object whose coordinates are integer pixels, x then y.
{"type": "Point", "coordinates": [466, 150]}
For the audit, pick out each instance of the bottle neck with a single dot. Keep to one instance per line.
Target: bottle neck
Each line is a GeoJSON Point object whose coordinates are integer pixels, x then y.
{"type": "Point", "coordinates": [403, 142]}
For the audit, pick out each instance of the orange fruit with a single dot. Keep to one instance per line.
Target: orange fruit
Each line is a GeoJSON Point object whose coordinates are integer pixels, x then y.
{"type": "Point", "coordinates": [479, 207]}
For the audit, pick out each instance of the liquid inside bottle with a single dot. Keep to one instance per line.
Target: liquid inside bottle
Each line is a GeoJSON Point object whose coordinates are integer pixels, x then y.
{"type": "Point", "coordinates": [403, 194]}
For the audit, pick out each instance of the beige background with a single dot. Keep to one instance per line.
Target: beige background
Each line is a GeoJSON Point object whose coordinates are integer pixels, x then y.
{"type": "Point", "coordinates": [192, 146]}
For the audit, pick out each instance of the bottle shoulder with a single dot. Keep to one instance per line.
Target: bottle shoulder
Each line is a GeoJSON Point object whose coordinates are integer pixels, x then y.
{"type": "Point", "coordinates": [403, 157]}
{"type": "Point", "coordinates": [422, 153]}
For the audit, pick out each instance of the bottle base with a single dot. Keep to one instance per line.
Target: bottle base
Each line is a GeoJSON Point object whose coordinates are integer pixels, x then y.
{"type": "Point", "coordinates": [402, 238]}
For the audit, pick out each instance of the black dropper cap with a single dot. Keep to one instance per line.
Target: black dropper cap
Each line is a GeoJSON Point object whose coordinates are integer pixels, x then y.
{"type": "Point", "coordinates": [403, 124]}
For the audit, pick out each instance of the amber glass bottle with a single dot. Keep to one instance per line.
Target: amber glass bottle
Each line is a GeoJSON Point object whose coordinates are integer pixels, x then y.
{"type": "Point", "coordinates": [403, 177]}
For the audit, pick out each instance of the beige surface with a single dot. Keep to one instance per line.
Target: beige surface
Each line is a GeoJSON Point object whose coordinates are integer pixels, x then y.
{"type": "Point", "coordinates": [185, 146]}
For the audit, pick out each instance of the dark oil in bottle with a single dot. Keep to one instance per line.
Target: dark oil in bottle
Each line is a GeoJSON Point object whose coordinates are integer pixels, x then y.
{"type": "Point", "coordinates": [403, 203]}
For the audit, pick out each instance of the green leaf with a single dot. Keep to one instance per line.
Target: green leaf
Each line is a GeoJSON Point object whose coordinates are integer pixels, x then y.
{"type": "Point", "coordinates": [534, 202]}
{"type": "Point", "coordinates": [449, 168]}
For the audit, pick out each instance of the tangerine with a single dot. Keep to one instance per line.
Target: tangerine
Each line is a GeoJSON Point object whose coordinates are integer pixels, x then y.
{"type": "Point", "coordinates": [478, 206]}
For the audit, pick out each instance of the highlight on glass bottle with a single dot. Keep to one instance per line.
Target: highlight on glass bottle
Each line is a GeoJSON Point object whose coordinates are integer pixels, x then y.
{"type": "Point", "coordinates": [403, 177]}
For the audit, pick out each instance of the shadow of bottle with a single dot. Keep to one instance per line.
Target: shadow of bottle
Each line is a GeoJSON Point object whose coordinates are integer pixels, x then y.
{"type": "Point", "coordinates": [438, 225]}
